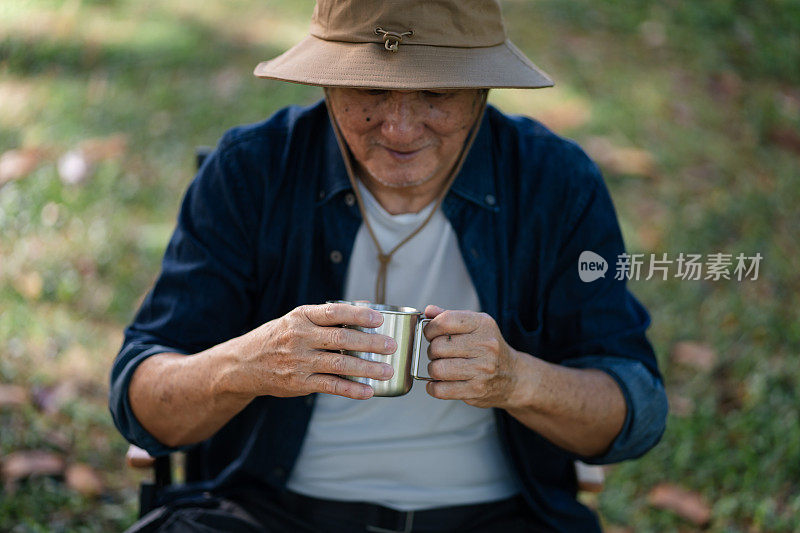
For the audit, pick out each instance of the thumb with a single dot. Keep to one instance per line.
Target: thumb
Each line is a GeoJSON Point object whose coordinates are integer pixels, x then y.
{"type": "Point", "coordinates": [432, 311]}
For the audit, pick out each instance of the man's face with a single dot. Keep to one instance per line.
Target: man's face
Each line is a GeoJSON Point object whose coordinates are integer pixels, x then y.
{"type": "Point", "coordinates": [405, 138]}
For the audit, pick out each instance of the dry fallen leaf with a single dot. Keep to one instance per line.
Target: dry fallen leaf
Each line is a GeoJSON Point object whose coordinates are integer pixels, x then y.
{"type": "Point", "coordinates": [51, 399]}
{"type": "Point", "coordinates": [76, 366]}
{"type": "Point", "coordinates": [731, 392]}
{"type": "Point", "coordinates": [12, 395]}
{"type": "Point", "coordinates": [102, 148]}
{"type": "Point", "coordinates": [16, 99]}
{"type": "Point", "coordinates": [725, 85]}
{"type": "Point", "coordinates": [84, 479]}
{"type": "Point", "coordinates": [786, 138]}
{"type": "Point", "coordinates": [694, 355]}
{"type": "Point", "coordinates": [680, 406]}
{"type": "Point", "coordinates": [653, 33]}
{"type": "Point", "coordinates": [76, 165]}
{"type": "Point", "coordinates": [685, 503]}
{"type": "Point", "coordinates": [30, 463]}
{"type": "Point", "coordinates": [16, 164]}
{"type": "Point", "coordinates": [227, 82]}
{"type": "Point", "coordinates": [620, 160]}
{"type": "Point", "coordinates": [565, 115]}
{"type": "Point", "coordinates": [650, 238]}
{"type": "Point", "coordinates": [29, 284]}
{"type": "Point", "coordinates": [50, 214]}
{"type": "Point", "coordinates": [59, 439]}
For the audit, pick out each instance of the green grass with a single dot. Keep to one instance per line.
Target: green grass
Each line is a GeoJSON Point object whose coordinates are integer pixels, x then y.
{"type": "Point", "coordinates": [704, 88]}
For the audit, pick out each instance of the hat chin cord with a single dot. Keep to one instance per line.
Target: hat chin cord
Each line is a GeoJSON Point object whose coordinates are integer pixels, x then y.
{"type": "Point", "coordinates": [385, 258]}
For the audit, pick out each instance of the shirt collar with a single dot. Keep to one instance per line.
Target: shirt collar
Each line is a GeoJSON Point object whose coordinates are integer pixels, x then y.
{"type": "Point", "coordinates": [475, 182]}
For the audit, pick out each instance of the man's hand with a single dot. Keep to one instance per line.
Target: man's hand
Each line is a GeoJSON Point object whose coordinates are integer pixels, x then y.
{"type": "Point", "coordinates": [289, 356]}
{"type": "Point", "coordinates": [470, 359]}
{"type": "Point", "coordinates": [183, 399]}
{"type": "Point", "coordinates": [581, 410]}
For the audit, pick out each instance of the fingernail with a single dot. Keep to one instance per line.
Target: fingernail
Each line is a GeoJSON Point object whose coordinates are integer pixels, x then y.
{"type": "Point", "coordinates": [391, 345]}
{"type": "Point", "coordinates": [376, 318]}
{"type": "Point", "coordinates": [388, 371]}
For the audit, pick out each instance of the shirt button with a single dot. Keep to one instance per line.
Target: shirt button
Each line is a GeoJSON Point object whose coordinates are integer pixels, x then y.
{"type": "Point", "coordinates": [336, 256]}
{"type": "Point", "coordinates": [490, 199]}
{"type": "Point", "coordinates": [279, 471]}
{"type": "Point", "coordinates": [321, 194]}
{"type": "Point", "coordinates": [474, 253]}
{"type": "Point", "coordinates": [350, 199]}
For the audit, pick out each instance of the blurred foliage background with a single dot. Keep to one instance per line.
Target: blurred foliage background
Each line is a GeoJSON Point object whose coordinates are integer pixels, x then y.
{"type": "Point", "coordinates": [692, 110]}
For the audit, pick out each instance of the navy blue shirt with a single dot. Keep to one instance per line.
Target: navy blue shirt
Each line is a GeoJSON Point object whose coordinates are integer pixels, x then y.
{"type": "Point", "coordinates": [264, 228]}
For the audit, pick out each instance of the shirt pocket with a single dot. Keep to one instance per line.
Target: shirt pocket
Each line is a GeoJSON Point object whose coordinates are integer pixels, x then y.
{"type": "Point", "coordinates": [524, 332]}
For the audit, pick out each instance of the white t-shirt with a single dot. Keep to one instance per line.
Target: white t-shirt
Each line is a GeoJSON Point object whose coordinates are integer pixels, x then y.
{"type": "Point", "coordinates": [410, 452]}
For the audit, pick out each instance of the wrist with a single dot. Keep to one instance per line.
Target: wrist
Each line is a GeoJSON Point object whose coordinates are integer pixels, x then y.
{"type": "Point", "coordinates": [519, 395]}
{"type": "Point", "coordinates": [530, 372]}
{"type": "Point", "coordinates": [226, 378]}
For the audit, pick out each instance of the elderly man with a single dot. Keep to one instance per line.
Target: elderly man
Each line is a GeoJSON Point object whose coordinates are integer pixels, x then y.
{"type": "Point", "coordinates": [403, 187]}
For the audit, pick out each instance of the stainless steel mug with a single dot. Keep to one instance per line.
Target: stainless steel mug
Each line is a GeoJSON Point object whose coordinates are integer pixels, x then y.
{"type": "Point", "coordinates": [404, 324]}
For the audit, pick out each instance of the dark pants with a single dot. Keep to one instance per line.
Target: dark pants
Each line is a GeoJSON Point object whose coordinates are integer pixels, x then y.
{"type": "Point", "coordinates": [292, 513]}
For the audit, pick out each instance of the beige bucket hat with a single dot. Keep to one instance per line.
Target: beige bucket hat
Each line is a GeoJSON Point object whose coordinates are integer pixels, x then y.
{"type": "Point", "coordinates": [406, 44]}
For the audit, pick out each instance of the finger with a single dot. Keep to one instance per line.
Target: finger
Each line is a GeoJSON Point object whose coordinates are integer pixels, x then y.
{"type": "Point", "coordinates": [348, 365]}
{"type": "Point", "coordinates": [334, 338]}
{"type": "Point", "coordinates": [335, 314]}
{"type": "Point", "coordinates": [451, 369]}
{"type": "Point", "coordinates": [432, 311]}
{"type": "Point", "coordinates": [452, 322]}
{"type": "Point", "coordinates": [446, 346]}
{"type": "Point", "coordinates": [449, 390]}
{"type": "Point", "coordinates": [330, 384]}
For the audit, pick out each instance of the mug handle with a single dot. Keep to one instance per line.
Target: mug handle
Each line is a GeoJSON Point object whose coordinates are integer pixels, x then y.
{"type": "Point", "coordinates": [417, 344]}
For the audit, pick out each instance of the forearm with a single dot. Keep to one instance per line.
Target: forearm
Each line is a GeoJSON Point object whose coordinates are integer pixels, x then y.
{"type": "Point", "coordinates": [580, 410]}
{"type": "Point", "coordinates": [184, 399]}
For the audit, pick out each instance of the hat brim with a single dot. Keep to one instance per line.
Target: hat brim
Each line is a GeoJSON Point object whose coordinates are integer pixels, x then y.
{"type": "Point", "coordinates": [314, 61]}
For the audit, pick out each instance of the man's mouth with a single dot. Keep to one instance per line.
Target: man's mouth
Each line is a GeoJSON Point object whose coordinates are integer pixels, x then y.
{"type": "Point", "coordinates": [403, 155]}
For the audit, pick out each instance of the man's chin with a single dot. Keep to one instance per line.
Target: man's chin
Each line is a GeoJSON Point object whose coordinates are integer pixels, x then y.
{"type": "Point", "coordinates": [401, 180]}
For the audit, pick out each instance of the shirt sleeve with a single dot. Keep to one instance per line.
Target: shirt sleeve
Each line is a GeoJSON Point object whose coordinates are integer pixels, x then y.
{"type": "Point", "coordinates": [204, 293]}
{"type": "Point", "coordinates": [598, 323]}
{"type": "Point", "coordinates": [646, 406]}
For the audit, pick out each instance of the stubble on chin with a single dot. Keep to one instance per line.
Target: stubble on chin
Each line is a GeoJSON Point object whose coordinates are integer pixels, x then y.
{"type": "Point", "coordinates": [395, 184]}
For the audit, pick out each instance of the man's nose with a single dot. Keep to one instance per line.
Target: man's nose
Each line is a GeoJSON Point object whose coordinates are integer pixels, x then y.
{"type": "Point", "coordinates": [402, 122]}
